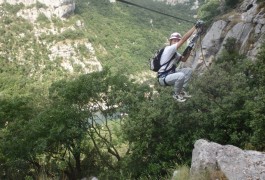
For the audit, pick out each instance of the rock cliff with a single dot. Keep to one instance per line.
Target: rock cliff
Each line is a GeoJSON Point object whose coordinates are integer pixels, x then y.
{"type": "Point", "coordinates": [59, 8]}
{"type": "Point", "coordinates": [67, 50]}
{"type": "Point", "coordinates": [245, 24]}
{"type": "Point", "coordinates": [229, 162]}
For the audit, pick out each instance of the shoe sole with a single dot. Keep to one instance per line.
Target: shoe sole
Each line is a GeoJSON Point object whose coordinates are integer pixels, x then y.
{"type": "Point", "coordinates": [179, 100]}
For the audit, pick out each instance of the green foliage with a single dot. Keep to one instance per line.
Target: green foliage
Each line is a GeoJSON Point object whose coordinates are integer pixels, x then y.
{"type": "Point", "coordinates": [183, 173]}
{"type": "Point", "coordinates": [231, 46]}
{"type": "Point", "coordinates": [257, 106]}
{"type": "Point", "coordinates": [225, 91]}
{"type": "Point", "coordinates": [13, 9]}
{"type": "Point", "coordinates": [40, 5]}
{"type": "Point", "coordinates": [25, 57]}
{"type": "Point", "coordinates": [158, 137]}
{"type": "Point", "coordinates": [209, 10]}
{"type": "Point", "coordinates": [42, 18]}
{"type": "Point", "coordinates": [73, 127]}
{"type": "Point", "coordinates": [74, 134]}
{"type": "Point", "coordinates": [231, 3]}
{"type": "Point", "coordinates": [233, 88]}
{"type": "Point", "coordinates": [15, 115]}
{"type": "Point", "coordinates": [138, 38]}
{"type": "Point", "coordinates": [227, 107]}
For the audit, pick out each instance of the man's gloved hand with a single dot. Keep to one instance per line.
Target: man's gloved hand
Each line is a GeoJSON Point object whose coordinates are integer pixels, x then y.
{"type": "Point", "coordinates": [199, 24]}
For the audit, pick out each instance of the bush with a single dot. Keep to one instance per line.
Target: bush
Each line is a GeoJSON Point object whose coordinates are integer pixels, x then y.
{"type": "Point", "coordinates": [13, 8]}
{"type": "Point", "coordinates": [42, 18]}
{"type": "Point", "coordinates": [227, 107]}
{"type": "Point", "coordinates": [40, 5]}
{"type": "Point", "coordinates": [231, 3]}
{"type": "Point", "coordinates": [209, 10]}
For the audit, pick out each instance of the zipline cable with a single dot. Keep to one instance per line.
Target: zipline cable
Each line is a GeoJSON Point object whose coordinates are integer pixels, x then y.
{"type": "Point", "coordinates": [126, 2]}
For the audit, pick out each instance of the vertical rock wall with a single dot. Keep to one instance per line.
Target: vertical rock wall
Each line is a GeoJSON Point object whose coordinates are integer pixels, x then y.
{"type": "Point", "coordinates": [60, 8]}
{"type": "Point", "coordinates": [246, 25]}
{"type": "Point", "coordinates": [208, 158]}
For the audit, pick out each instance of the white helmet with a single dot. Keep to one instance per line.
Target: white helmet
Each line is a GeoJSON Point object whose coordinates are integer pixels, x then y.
{"type": "Point", "coordinates": [175, 35]}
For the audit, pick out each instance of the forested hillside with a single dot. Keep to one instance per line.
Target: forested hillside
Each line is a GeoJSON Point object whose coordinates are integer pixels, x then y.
{"type": "Point", "coordinates": [39, 56]}
{"type": "Point", "coordinates": [121, 35]}
{"type": "Point", "coordinates": [130, 34]}
{"type": "Point", "coordinates": [71, 105]}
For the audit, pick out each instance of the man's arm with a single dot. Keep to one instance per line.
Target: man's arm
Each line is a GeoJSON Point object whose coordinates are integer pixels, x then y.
{"type": "Point", "coordinates": [186, 37]}
{"type": "Point", "coordinates": [188, 49]}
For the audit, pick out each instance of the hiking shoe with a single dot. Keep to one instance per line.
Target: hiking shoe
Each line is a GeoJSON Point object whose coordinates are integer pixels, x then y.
{"type": "Point", "coordinates": [185, 94]}
{"type": "Point", "coordinates": [179, 98]}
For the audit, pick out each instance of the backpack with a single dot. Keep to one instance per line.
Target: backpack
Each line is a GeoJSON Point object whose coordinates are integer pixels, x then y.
{"type": "Point", "coordinates": [155, 60]}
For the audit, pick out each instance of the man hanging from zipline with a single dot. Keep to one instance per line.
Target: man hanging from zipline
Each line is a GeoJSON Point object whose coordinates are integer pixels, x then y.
{"type": "Point", "coordinates": [167, 74]}
{"type": "Point", "coordinates": [165, 60]}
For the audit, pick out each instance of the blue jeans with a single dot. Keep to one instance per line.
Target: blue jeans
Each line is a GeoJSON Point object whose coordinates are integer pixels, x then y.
{"type": "Point", "coordinates": [179, 79]}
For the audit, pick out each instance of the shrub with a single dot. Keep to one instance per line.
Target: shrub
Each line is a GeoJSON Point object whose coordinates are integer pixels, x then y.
{"type": "Point", "coordinates": [209, 10]}
{"type": "Point", "coordinates": [13, 8]}
{"type": "Point", "coordinates": [40, 5]}
{"type": "Point", "coordinates": [43, 18]}
{"type": "Point", "coordinates": [231, 3]}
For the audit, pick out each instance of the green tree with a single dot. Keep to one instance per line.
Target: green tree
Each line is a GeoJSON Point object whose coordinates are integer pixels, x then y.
{"type": "Point", "coordinates": [226, 108]}
{"type": "Point", "coordinates": [231, 3]}
{"type": "Point", "coordinates": [209, 10]}
{"type": "Point", "coordinates": [74, 135]}
{"type": "Point", "coordinates": [257, 106]}
{"type": "Point", "coordinates": [15, 115]}
{"type": "Point", "coordinates": [160, 135]}
{"type": "Point", "coordinates": [99, 99]}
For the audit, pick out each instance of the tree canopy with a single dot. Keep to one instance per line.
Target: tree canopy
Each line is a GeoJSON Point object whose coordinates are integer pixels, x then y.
{"type": "Point", "coordinates": [57, 125]}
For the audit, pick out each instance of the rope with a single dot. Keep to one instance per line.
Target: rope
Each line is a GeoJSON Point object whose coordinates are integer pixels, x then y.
{"type": "Point", "coordinates": [203, 58]}
{"type": "Point", "coordinates": [126, 2]}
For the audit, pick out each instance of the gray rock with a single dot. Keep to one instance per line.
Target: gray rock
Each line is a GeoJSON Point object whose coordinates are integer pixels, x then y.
{"type": "Point", "coordinates": [233, 162]}
{"type": "Point", "coordinates": [241, 32]}
{"type": "Point", "coordinates": [60, 8]}
{"type": "Point", "coordinates": [209, 45]}
{"type": "Point", "coordinates": [245, 24]}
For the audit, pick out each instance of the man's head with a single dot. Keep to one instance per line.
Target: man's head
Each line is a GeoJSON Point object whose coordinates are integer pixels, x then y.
{"type": "Point", "coordinates": [174, 38]}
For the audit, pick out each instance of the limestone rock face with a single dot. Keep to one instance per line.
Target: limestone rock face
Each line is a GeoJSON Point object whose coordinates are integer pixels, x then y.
{"type": "Point", "coordinates": [66, 53]}
{"type": "Point", "coordinates": [71, 57]}
{"type": "Point", "coordinates": [234, 163]}
{"type": "Point", "coordinates": [210, 45]}
{"type": "Point", "coordinates": [59, 8]}
{"type": "Point", "coordinates": [246, 25]}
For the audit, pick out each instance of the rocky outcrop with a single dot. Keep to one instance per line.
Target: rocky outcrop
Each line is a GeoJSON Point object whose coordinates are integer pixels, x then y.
{"type": "Point", "coordinates": [209, 158]}
{"type": "Point", "coordinates": [174, 2]}
{"type": "Point", "coordinates": [74, 56]}
{"type": "Point", "coordinates": [59, 8]}
{"type": "Point", "coordinates": [246, 25]}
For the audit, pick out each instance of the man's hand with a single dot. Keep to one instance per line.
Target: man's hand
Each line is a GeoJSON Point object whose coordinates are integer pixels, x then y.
{"type": "Point", "coordinates": [185, 58]}
{"type": "Point", "coordinates": [199, 24]}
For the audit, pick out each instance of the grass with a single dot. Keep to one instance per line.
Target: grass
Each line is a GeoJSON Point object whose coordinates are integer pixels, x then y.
{"type": "Point", "coordinates": [182, 173]}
